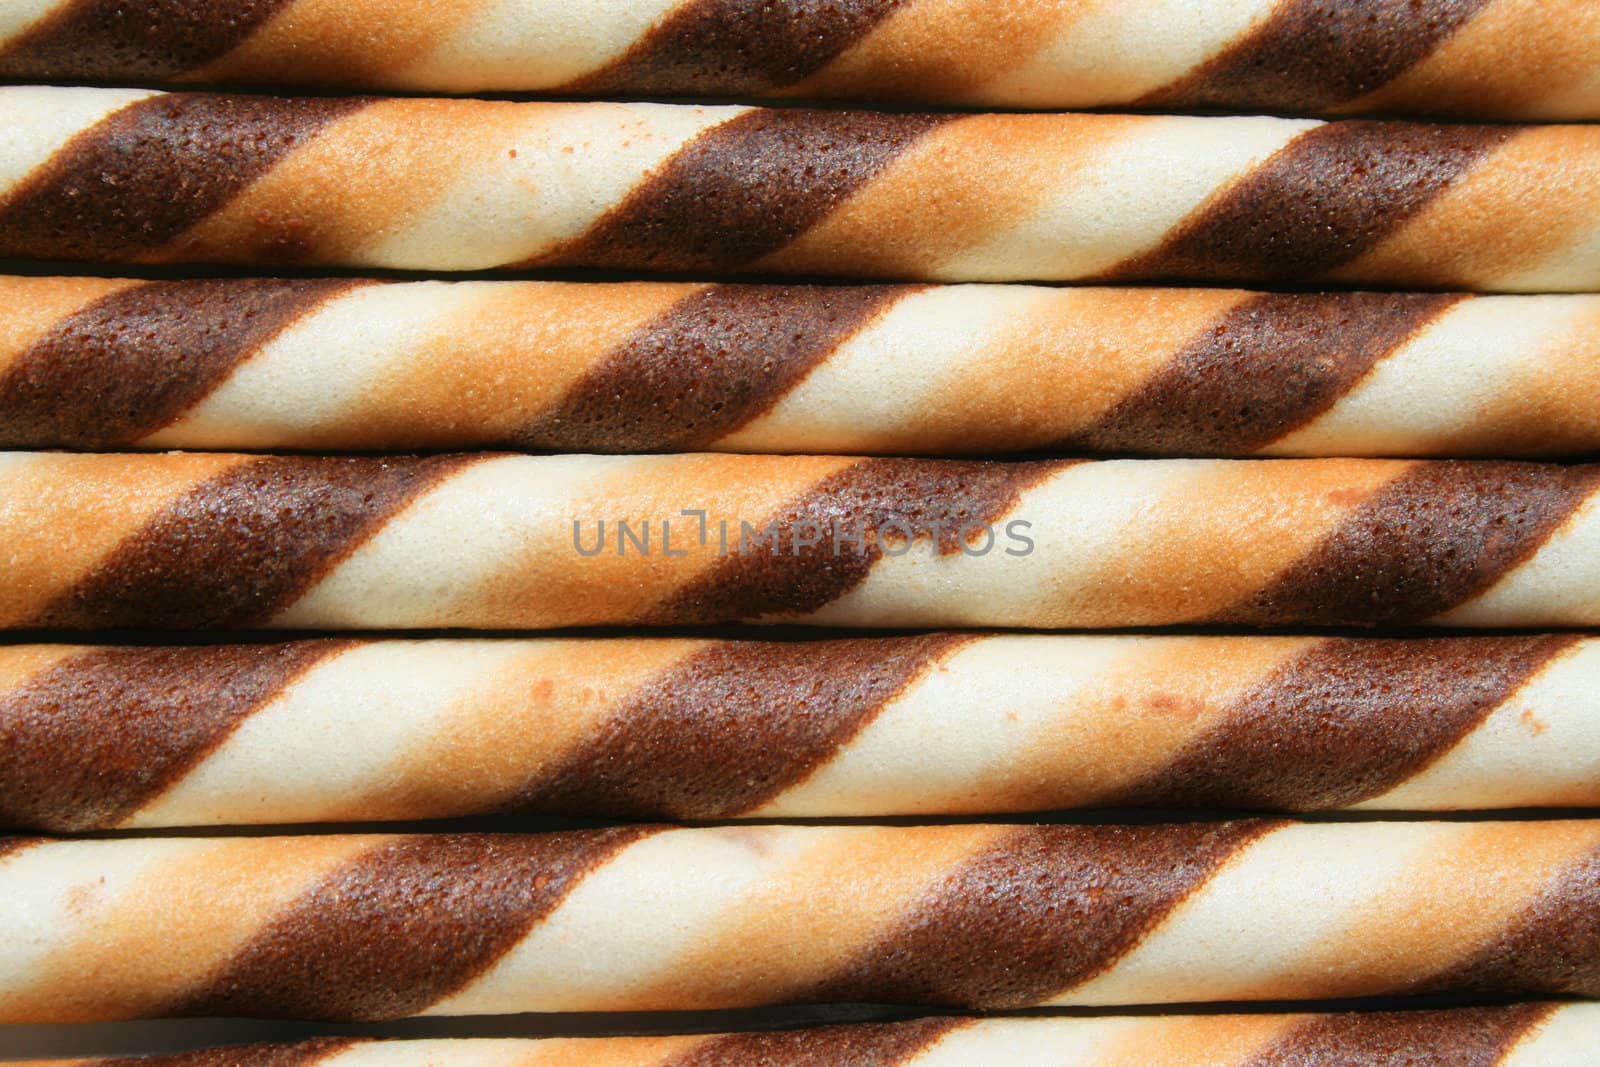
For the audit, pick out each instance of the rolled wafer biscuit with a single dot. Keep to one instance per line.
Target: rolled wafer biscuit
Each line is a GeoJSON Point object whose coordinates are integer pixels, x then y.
{"type": "Point", "coordinates": [189, 540]}
{"type": "Point", "coordinates": [1480, 58]}
{"type": "Point", "coordinates": [644, 918]}
{"type": "Point", "coordinates": [133, 175]}
{"type": "Point", "coordinates": [896, 369]}
{"type": "Point", "coordinates": [1521, 1035]}
{"type": "Point", "coordinates": [941, 724]}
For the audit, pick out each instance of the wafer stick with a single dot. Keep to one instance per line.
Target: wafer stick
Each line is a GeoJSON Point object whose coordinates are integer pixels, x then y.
{"type": "Point", "coordinates": [639, 918]}
{"type": "Point", "coordinates": [484, 541]}
{"type": "Point", "coordinates": [346, 364]}
{"type": "Point", "coordinates": [1524, 1035]}
{"type": "Point", "coordinates": [136, 176]}
{"type": "Point", "coordinates": [1477, 58]}
{"type": "Point", "coordinates": [943, 724]}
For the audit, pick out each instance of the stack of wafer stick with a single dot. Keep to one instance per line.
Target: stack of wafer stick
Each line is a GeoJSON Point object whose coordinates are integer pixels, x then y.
{"type": "Point", "coordinates": [1263, 393]}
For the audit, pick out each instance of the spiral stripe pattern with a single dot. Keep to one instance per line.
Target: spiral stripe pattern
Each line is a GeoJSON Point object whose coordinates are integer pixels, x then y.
{"type": "Point", "coordinates": [902, 369]}
{"type": "Point", "coordinates": [89, 174]}
{"type": "Point", "coordinates": [107, 737]}
{"type": "Point", "coordinates": [485, 541]}
{"type": "Point", "coordinates": [1475, 58]}
{"type": "Point", "coordinates": [640, 918]}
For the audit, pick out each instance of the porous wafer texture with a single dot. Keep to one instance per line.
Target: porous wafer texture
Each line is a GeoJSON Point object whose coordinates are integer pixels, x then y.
{"type": "Point", "coordinates": [119, 175]}
{"type": "Point", "coordinates": [1474, 58]}
{"type": "Point", "coordinates": [644, 918]}
{"type": "Point", "coordinates": [184, 541]}
{"type": "Point", "coordinates": [106, 737]}
{"type": "Point", "coordinates": [1523, 1035]}
{"type": "Point", "coordinates": [891, 369]}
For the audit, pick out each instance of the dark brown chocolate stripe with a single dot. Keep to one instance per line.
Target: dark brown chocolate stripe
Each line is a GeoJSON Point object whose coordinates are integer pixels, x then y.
{"type": "Point", "coordinates": [744, 189]}
{"type": "Point", "coordinates": [706, 366]}
{"type": "Point", "coordinates": [732, 727]}
{"type": "Point", "coordinates": [1346, 721]}
{"type": "Point", "coordinates": [1459, 1037]}
{"type": "Point", "coordinates": [1328, 196]}
{"type": "Point", "coordinates": [1309, 55]}
{"type": "Point", "coordinates": [404, 926]}
{"type": "Point", "coordinates": [299, 1054]}
{"type": "Point", "coordinates": [886, 496]}
{"type": "Point", "coordinates": [138, 180]}
{"type": "Point", "coordinates": [868, 1045]}
{"type": "Point", "coordinates": [1432, 539]}
{"type": "Point", "coordinates": [146, 40]}
{"type": "Point", "coordinates": [94, 738]}
{"type": "Point", "coordinates": [1551, 948]}
{"type": "Point", "coordinates": [1045, 909]}
{"type": "Point", "coordinates": [1264, 369]}
{"type": "Point", "coordinates": [133, 361]}
{"type": "Point", "coordinates": [246, 544]}
{"type": "Point", "coordinates": [736, 47]}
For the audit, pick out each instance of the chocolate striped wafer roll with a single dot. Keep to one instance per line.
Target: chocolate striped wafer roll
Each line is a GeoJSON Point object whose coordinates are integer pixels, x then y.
{"type": "Point", "coordinates": [190, 540]}
{"type": "Point", "coordinates": [1520, 1035]}
{"type": "Point", "coordinates": [896, 369]}
{"type": "Point", "coordinates": [1478, 58]}
{"type": "Point", "coordinates": [136, 176]}
{"type": "Point", "coordinates": [645, 918]}
{"type": "Point", "coordinates": [939, 724]}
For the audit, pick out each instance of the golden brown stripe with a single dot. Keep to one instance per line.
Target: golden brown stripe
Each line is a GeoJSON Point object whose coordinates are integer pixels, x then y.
{"type": "Point", "coordinates": [1552, 947]}
{"type": "Point", "coordinates": [1266, 368]}
{"type": "Point", "coordinates": [403, 926]}
{"type": "Point", "coordinates": [744, 189]}
{"type": "Point", "coordinates": [149, 40]}
{"type": "Point", "coordinates": [733, 726]}
{"type": "Point", "coordinates": [245, 544]}
{"type": "Point", "coordinates": [1430, 540]}
{"type": "Point", "coordinates": [140, 178]}
{"type": "Point", "coordinates": [1044, 910]}
{"type": "Point", "coordinates": [299, 1054]}
{"type": "Point", "coordinates": [880, 499]}
{"type": "Point", "coordinates": [1460, 1037]}
{"type": "Point", "coordinates": [131, 362]}
{"type": "Point", "coordinates": [1310, 55]}
{"type": "Point", "coordinates": [882, 1045]}
{"type": "Point", "coordinates": [735, 47]}
{"type": "Point", "coordinates": [1346, 721]}
{"type": "Point", "coordinates": [706, 366]}
{"type": "Point", "coordinates": [91, 740]}
{"type": "Point", "coordinates": [1331, 194]}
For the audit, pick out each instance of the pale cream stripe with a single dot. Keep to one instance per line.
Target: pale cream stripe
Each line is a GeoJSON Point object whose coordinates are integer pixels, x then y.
{"type": "Point", "coordinates": [20, 664]}
{"type": "Point", "coordinates": [518, 45]}
{"type": "Point", "coordinates": [518, 1052]}
{"type": "Point", "coordinates": [1514, 59]}
{"type": "Point", "coordinates": [514, 724]}
{"type": "Point", "coordinates": [1115, 52]}
{"type": "Point", "coordinates": [134, 952]}
{"type": "Point", "coordinates": [1511, 222]}
{"type": "Point", "coordinates": [1555, 586]}
{"type": "Point", "coordinates": [19, 16]}
{"type": "Point", "coordinates": [550, 582]}
{"type": "Point", "coordinates": [488, 370]}
{"type": "Point", "coordinates": [32, 308]}
{"type": "Point", "coordinates": [812, 915]}
{"type": "Point", "coordinates": [1182, 1042]}
{"type": "Point", "coordinates": [943, 50]}
{"type": "Point", "coordinates": [1459, 894]}
{"type": "Point", "coordinates": [1129, 723]}
{"type": "Point", "coordinates": [62, 514]}
{"type": "Point", "coordinates": [340, 42]}
{"type": "Point", "coordinates": [953, 190]}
